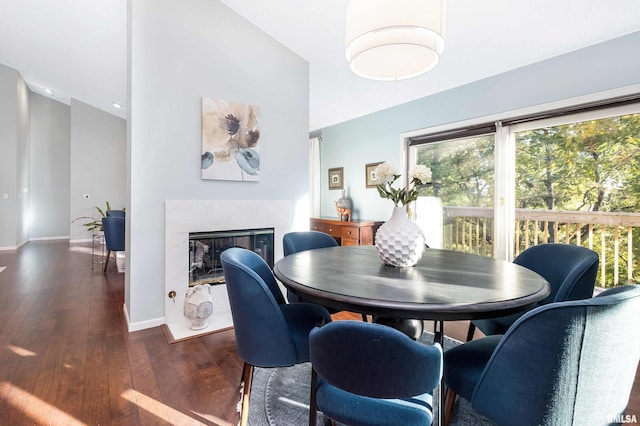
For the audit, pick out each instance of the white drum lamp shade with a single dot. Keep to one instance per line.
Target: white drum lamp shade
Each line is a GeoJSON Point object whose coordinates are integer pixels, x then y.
{"type": "Point", "coordinates": [394, 39]}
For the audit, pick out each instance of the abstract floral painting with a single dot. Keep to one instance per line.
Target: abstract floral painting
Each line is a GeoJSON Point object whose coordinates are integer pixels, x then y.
{"type": "Point", "coordinates": [230, 140]}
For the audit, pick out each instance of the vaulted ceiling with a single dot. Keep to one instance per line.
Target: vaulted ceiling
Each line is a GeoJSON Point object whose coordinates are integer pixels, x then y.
{"type": "Point", "coordinates": [78, 48]}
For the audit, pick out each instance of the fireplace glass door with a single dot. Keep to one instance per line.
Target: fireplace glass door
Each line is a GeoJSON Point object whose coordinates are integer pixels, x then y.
{"type": "Point", "coordinates": [205, 249]}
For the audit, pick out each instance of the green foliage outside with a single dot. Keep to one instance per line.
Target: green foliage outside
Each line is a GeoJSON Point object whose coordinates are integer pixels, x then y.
{"type": "Point", "coordinates": [591, 166]}
{"type": "Point", "coordinates": [461, 170]}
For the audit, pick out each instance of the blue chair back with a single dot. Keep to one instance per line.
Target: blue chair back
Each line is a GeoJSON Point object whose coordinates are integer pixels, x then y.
{"type": "Point", "coordinates": [115, 213]}
{"type": "Point", "coordinates": [571, 273]}
{"type": "Point", "coordinates": [262, 335]}
{"type": "Point", "coordinates": [374, 360]}
{"type": "Point", "coordinates": [570, 270]}
{"type": "Point", "coordinates": [565, 363]}
{"type": "Point", "coordinates": [114, 233]}
{"type": "Point", "coordinates": [294, 242]}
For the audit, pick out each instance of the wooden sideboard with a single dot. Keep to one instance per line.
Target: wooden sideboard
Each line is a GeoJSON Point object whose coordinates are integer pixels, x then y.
{"type": "Point", "coordinates": [352, 233]}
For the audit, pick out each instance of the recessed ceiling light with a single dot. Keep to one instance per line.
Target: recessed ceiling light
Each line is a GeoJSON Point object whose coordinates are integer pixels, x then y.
{"type": "Point", "coordinates": [49, 91]}
{"type": "Point", "coordinates": [116, 105]}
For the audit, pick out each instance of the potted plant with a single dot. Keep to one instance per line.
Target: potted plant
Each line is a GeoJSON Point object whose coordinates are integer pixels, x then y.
{"type": "Point", "coordinates": [95, 224]}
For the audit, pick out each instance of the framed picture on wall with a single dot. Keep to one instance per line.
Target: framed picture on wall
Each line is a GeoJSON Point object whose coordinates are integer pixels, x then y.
{"type": "Point", "coordinates": [336, 178]}
{"type": "Point", "coordinates": [230, 140]}
{"type": "Point", "coordinates": [370, 174]}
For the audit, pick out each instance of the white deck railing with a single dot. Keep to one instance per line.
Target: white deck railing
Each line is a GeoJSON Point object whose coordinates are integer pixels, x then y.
{"type": "Point", "coordinates": [611, 235]}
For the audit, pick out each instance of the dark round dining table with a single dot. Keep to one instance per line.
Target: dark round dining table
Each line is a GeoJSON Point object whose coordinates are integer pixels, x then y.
{"type": "Point", "coordinates": [444, 285]}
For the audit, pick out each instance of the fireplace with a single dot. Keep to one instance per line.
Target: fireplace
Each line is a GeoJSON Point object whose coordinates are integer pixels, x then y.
{"type": "Point", "coordinates": [185, 217]}
{"type": "Point", "coordinates": [205, 249]}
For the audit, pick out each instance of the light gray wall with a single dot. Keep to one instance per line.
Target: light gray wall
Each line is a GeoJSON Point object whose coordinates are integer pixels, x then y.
{"type": "Point", "coordinates": [8, 156]}
{"type": "Point", "coordinates": [50, 168]}
{"type": "Point", "coordinates": [37, 163]}
{"type": "Point", "coordinates": [376, 137]}
{"type": "Point", "coordinates": [179, 52]}
{"type": "Point", "coordinates": [23, 162]}
{"type": "Point", "coordinates": [98, 163]}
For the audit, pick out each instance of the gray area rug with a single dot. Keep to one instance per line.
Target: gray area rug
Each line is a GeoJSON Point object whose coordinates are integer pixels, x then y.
{"type": "Point", "coordinates": [280, 397]}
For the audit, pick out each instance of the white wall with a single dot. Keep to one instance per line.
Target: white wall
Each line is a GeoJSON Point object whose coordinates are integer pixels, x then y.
{"type": "Point", "coordinates": [8, 156]}
{"type": "Point", "coordinates": [23, 162]}
{"type": "Point", "coordinates": [14, 159]}
{"type": "Point", "coordinates": [180, 51]}
{"type": "Point", "coordinates": [50, 168]}
{"type": "Point", "coordinates": [37, 163]}
{"type": "Point", "coordinates": [98, 165]}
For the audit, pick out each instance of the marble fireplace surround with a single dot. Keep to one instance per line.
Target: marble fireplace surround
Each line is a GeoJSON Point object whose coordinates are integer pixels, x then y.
{"type": "Point", "coordinates": [183, 217]}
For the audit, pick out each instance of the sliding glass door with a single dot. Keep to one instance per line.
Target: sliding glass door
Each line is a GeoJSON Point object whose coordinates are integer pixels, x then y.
{"type": "Point", "coordinates": [578, 182]}
{"type": "Point", "coordinates": [568, 179]}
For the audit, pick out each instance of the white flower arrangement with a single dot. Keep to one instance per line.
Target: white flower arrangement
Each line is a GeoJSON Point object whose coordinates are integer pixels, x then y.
{"type": "Point", "coordinates": [386, 175]}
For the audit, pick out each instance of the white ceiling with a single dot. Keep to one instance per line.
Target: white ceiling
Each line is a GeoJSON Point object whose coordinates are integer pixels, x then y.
{"type": "Point", "coordinates": [78, 48]}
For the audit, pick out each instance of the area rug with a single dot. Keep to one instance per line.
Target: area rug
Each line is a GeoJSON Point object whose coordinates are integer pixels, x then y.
{"type": "Point", "coordinates": [280, 397]}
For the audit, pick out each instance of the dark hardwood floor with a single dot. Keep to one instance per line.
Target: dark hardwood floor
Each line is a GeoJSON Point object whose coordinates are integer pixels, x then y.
{"type": "Point", "coordinates": [66, 357]}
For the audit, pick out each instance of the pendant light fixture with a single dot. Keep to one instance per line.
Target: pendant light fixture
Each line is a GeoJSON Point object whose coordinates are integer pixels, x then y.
{"type": "Point", "coordinates": [394, 39]}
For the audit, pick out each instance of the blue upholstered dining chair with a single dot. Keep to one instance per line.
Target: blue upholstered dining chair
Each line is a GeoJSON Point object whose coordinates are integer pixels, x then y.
{"type": "Point", "coordinates": [114, 236]}
{"type": "Point", "coordinates": [115, 213]}
{"type": "Point", "coordinates": [370, 374]}
{"type": "Point", "coordinates": [563, 363]}
{"type": "Point", "coordinates": [571, 273]}
{"type": "Point", "coordinates": [294, 242]}
{"type": "Point", "coordinates": [269, 332]}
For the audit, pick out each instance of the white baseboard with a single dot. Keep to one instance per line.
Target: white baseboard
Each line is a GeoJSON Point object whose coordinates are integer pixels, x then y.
{"type": "Point", "coordinates": [81, 240]}
{"type": "Point", "coordinates": [141, 325]}
{"type": "Point", "coordinates": [61, 237]}
{"type": "Point", "coordinates": [7, 248]}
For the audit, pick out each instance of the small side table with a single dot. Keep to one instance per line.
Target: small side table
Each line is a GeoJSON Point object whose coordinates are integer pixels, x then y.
{"type": "Point", "coordinates": [97, 249]}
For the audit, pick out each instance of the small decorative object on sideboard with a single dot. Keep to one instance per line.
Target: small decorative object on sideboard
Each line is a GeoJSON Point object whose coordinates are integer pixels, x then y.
{"type": "Point", "coordinates": [399, 241]}
{"type": "Point", "coordinates": [198, 305]}
{"type": "Point", "coordinates": [343, 207]}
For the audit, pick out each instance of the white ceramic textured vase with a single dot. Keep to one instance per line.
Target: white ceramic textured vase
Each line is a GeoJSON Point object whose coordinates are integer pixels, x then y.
{"type": "Point", "coordinates": [399, 241]}
{"type": "Point", "coordinates": [198, 305]}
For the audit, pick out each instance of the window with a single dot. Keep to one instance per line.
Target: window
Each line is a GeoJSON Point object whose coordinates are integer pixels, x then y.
{"type": "Point", "coordinates": [463, 180]}
{"type": "Point", "coordinates": [569, 178]}
{"type": "Point", "coordinates": [579, 183]}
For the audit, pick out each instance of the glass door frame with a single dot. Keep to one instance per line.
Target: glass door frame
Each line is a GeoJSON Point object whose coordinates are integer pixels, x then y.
{"type": "Point", "coordinates": [505, 165]}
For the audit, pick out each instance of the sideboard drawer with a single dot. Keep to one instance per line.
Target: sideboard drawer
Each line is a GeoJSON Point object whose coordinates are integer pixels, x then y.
{"type": "Point", "coordinates": [318, 226]}
{"type": "Point", "coordinates": [350, 242]}
{"type": "Point", "coordinates": [347, 233]}
{"type": "Point", "coordinates": [333, 230]}
{"type": "Point", "coordinates": [351, 232]}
